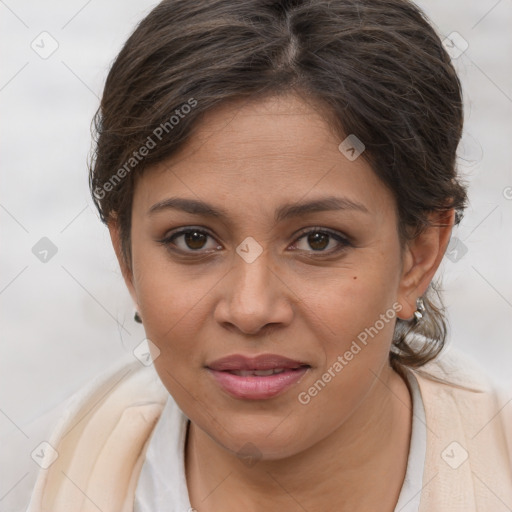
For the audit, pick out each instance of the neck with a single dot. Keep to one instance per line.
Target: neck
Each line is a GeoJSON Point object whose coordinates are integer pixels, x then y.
{"type": "Point", "coordinates": [367, 472]}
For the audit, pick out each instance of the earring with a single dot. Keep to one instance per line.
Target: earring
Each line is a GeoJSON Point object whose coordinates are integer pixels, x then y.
{"type": "Point", "coordinates": [137, 317]}
{"type": "Point", "coordinates": [420, 311]}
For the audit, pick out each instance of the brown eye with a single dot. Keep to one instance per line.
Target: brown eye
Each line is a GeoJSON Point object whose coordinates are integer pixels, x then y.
{"type": "Point", "coordinates": [318, 240]}
{"type": "Point", "coordinates": [194, 239]}
{"type": "Point", "coordinates": [189, 241]}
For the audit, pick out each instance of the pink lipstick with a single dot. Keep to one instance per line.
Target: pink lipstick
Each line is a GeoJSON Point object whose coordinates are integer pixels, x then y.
{"type": "Point", "coordinates": [256, 378]}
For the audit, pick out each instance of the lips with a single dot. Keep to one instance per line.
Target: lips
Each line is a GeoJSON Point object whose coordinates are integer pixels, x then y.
{"type": "Point", "coordinates": [256, 378]}
{"type": "Point", "coordinates": [263, 364]}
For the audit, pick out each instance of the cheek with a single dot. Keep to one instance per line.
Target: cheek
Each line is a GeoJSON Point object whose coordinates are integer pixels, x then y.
{"type": "Point", "coordinates": [353, 299]}
{"type": "Point", "coordinates": [170, 301]}
{"type": "Point", "coordinates": [172, 305]}
{"type": "Point", "coordinates": [361, 319]}
{"type": "Point", "coordinates": [360, 315]}
{"type": "Point", "coordinates": [360, 309]}
{"type": "Point", "coordinates": [174, 310]}
{"type": "Point", "coordinates": [167, 292]}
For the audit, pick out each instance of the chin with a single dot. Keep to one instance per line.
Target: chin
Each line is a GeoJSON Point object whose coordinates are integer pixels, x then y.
{"type": "Point", "coordinates": [256, 439]}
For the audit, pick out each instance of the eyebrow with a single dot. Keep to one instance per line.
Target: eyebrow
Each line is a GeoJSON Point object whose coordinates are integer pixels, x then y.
{"type": "Point", "coordinates": [286, 211]}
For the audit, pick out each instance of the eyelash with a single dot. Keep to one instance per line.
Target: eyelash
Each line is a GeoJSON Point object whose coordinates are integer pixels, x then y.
{"type": "Point", "coordinates": [342, 240]}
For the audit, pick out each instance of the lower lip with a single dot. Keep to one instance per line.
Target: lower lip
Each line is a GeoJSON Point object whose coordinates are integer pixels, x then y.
{"type": "Point", "coordinates": [254, 387]}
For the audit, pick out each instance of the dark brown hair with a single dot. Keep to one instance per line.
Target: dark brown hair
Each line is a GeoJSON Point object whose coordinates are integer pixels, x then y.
{"type": "Point", "coordinates": [375, 68]}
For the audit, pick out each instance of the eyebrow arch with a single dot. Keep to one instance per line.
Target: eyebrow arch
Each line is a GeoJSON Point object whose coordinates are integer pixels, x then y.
{"type": "Point", "coordinates": [285, 211]}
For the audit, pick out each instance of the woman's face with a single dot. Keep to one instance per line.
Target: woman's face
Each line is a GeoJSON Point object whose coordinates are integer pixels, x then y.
{"type": "Point", "coordinates": [260, 277]}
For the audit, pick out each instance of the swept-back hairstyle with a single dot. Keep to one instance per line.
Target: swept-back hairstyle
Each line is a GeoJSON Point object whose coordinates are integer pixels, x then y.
{"type": "Point", "coordinates": [375, 68]}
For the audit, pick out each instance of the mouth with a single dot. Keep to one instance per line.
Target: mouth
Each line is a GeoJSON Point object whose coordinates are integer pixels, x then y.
{"type": "Point", "coordinates": [264, 373]}
{"type": "Point", "coordinates": [256, 378]}
{"type": "Point", "coordinates": [262, 362]}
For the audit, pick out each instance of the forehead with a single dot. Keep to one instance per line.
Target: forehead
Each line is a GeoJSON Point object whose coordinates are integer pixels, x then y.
{"type": "Point", "coordinates": [271, 128]}
{"type": "Point", "coordinates": [263, 152]}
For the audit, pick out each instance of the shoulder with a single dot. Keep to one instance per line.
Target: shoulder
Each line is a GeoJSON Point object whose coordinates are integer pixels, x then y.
{"type": "Point", "coordinates": [128, 383]}
{"type": "Point", "coordinates": [469, 420]}
{"type": "Point", "coordinates": [455, 375]}
{"type": "Point", "coordinates": [104, 424]}
{"type": "Point", "coordinates": [454, 368]}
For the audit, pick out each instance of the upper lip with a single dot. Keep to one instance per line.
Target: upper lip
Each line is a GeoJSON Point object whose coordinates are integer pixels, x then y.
{"type": "Point", "coordinates": [260, 362]}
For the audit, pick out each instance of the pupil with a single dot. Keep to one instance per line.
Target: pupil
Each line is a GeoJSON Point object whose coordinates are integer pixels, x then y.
{"type": "Point", "coordinates": [313, 240]}
{"type": "Point", "coordinates": [192, 238]}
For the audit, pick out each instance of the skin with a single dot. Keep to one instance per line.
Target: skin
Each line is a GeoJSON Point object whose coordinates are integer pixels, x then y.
{"type": "Point", "coordinates": [349, 445]}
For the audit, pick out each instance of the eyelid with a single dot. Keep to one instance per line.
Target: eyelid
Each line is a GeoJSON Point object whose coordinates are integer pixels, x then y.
{"type": "Point", "coordinates": [166, 240]}
{"type": "Point", "coordinates": [339, 237]}
{"type": "Point", "coordinates": [316, 229]}
{"type": "Point", "coordinates": [343, 240]}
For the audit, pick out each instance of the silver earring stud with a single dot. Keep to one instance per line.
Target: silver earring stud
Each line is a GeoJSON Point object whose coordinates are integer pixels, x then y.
{"type": "Point", "coordinates": [420, 311]}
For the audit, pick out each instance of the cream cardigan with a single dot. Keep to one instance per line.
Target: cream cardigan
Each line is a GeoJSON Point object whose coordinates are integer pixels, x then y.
{"type": "Point", "coordinates": [101, 440]}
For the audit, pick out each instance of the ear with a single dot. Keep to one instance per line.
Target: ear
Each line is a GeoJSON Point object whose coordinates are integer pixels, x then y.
{"type": "Point", "coordinates": [421, 259]}
{"type": "Point", "coordinates": [115, 237]}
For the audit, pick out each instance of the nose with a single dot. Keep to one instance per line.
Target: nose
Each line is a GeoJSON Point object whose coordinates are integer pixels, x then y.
{"type": "Point", "coordinates": [255, 298]}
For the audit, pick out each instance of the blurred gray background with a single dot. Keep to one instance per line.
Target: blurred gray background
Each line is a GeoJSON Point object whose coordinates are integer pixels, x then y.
{"type": "Point", "coordinates": [66, 315]}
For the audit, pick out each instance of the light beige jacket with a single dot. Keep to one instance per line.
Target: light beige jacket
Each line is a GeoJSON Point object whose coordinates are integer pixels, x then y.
{"type": "Point", "coordinates": [95, 454]}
